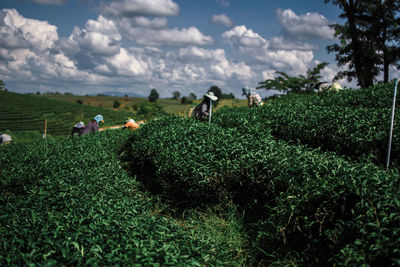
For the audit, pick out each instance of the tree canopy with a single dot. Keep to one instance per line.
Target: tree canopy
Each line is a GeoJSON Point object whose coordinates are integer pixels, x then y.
{"type": "Point", "coordinates": [367, 39]}
{"type": "Point", "coordinates": [284, 82]}
{"type": "Point", "coordinates": [153, 97]}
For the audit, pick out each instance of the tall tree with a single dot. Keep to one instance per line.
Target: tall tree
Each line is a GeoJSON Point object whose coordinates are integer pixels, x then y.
{"type": "Point", "coordinates": [367, 39]}
{"type": "Point", "coordinates": [153, 95]}
{"type": "Point", "coordinates": [176, 95]}
{"type": "Point", "coordinates": [382, 26]}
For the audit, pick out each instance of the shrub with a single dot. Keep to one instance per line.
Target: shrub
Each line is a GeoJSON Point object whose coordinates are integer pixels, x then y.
{"type": "Point", "coordinates": [301, 204]}
{"type": "Point", "coordinates": [116, 104]}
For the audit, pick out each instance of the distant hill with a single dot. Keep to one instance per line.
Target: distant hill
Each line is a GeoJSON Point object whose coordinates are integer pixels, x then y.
{"type": "Point", "coordinates": [121, 94]}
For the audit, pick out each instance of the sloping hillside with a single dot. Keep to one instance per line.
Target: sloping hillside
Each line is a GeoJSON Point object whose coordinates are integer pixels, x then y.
{"type": "Point", "coordinates": [20, 112]}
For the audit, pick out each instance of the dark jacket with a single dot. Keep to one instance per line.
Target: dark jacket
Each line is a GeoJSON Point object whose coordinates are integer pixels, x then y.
{"type": "Point", "coordinates": [91, 127]}
{"type": "Point", "coordinates": [202, 110]}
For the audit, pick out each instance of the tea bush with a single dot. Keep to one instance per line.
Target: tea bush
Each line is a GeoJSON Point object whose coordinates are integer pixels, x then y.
{"type": "Point", "coordinates": [301, 205]}
{"type": "Point", "coordinates": [69, 202]}
{"type": "Point", "coordinates": [354, 131]}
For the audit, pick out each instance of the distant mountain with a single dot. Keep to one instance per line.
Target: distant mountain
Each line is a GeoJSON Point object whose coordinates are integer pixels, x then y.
{"type": "Point", "coordinates": [122, 94]}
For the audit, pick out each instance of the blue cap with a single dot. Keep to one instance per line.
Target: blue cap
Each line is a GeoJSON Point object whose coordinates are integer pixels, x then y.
{"type": "Point", "coordinates": [98, 118]}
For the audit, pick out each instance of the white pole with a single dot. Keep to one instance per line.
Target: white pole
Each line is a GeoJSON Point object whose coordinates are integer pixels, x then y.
{"type": "Point", "coordinates": [391, 124]}
{"type": "Point", "coordinates": [209, 118]}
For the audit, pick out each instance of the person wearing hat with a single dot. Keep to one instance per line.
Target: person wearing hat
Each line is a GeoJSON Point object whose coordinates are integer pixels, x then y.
{"type": "Point", "coordinates": [253, 99]}
{"type": "Point", "coordinates": [5, 139]}
{"type": "Point", "coordinates": [93, 125]}
{"type": "Point", "coordinates": [202, 110]}
{"type": "Point", "coordinates": [77, 129]}
{"type": "Point", "coordinates": [131, 124]}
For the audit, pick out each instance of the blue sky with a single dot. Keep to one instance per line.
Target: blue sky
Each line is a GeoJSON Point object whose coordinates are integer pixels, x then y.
{"type": "Point", "coordinates": [131, 46]}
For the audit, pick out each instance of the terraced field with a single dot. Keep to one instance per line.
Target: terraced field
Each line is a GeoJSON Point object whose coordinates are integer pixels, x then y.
{"type": "Point", "coordinates": [27, 113]}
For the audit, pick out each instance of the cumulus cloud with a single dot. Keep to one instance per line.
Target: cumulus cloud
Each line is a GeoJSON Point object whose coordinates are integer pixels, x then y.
{"type": "Point", "coordinates": [281, 43]}
{"type": "Point", "coordinates": [99, 36]}
{"type": "Point", "coordinates": [19, 32]}
{"type": "Point", "coordinates": [167, 37]}
{"type": "Point", "coordinates": [222, 19]}
{"type": "Point", "coordinates": [97, 55]}
{"type": "Point", "coordinates": [256, 50]}
{"type": "Point", "coordinates": [241, 36]}
{"type": "Point", "coordinates": [311, 25]}
{"type": "Point", "coordinates": [129, 8]}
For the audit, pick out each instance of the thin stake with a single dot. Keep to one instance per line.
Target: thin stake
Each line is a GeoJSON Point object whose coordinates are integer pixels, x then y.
{"type": "Point", "coordinates": [45, 128]}
{"type": "Point", "coordinates": [209, 118]}
{"type": "Point", "coordinates": [391, 124]}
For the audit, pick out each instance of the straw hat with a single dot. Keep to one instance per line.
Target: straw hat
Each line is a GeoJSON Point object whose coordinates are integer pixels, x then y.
{"type": "Point", "coordinates": [211, 96]}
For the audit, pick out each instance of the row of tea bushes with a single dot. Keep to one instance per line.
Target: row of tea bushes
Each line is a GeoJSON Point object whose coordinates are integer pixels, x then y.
{"type": "Point", "coordinates": [378, 96]}
{"type": "Point", "coordinates": [301, 205]}
{"type": "Point", "coordinates": [21, 112]}
{"type": "Point", "coordinates": [355, 132]}
{"type": "Point", "coordinates": [70, 203]}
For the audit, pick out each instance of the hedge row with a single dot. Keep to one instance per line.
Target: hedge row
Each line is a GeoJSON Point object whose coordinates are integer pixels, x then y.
{"type": "Point", "coordinates": [70, 203]}
{"type": "Point", "coordinates": [358, 133]}
{"type": "Point", "coordinates": [302, 205]}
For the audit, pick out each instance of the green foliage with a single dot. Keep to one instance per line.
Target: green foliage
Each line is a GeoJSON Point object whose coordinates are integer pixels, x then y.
{"type": "Point", "coordinates": [68, 202]}
{"type": "Point", "coordinates": [153, 97]}
{"type": "Point", "coordinates": [176, 95]}
{"type": "Point", "coordinates": [19, 112]}
{"type": "Point", "coordinates": [284, 82]}
{"type": "Point", "coordinates": [148, 110]}
{"type": "Point", "coordinates": [300, 204]}
{"type": "Point", "coordinates": [116, 104]}
{"type": "Point", "coordinates": [79, 101]}
{"type": "Point", "coordinates": [354, 123]}
{"type": "Point", "coordinates": [193, 96]}
{"type": "Point", "coordinates": [367, 39]}
{"type": "Point", "coordinates": [227, 96]}
{"type": "Point", "coordinates": [186, 100]}
{"type": "Point", "coordinates": [216, 90]}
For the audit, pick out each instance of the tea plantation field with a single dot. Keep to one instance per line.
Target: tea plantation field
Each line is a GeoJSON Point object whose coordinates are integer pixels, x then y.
{"type": "Point", "coordinates": [300, 181]}
{"type": "Point", "coordinates": [21, 113]}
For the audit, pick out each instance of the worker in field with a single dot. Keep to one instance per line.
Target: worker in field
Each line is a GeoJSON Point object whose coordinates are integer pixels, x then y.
{"type": "Point", "coordinates": [202, 110]}
{"type": "Point", "coordinates": [131, 124]}
{"type": "Point", "coordinates": [77, 130]}
{"type": "Point", "coordinates": [324, 86]}
{"type": "Point", "coordinates": [5, 139]}
{"type": "Point", "coordinates": [253, 99]}
{"type": "Point", "coordinates": [93, 125]}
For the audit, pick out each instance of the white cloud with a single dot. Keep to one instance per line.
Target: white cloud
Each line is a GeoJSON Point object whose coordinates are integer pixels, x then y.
{"type": "Point", "coordinates": [129, 8]}
{"type": "Point", "coordinates": [196, 54]}
{"type": "Point", "coordinates": [155, 23]}
{"type": "Point", "coordinates": [167, 37]}
{"type": "Point", "coordinates": [222, 19]}
{"type": "Point", "coordinates": [97, 56]}
{"type": "Point", "coordinates": [255, 50]}
{"type": "Point", "coordinates": [241, 36]}
{"type": "Point", "coordinates": [281, 43]}
{"type": "Point", "coordinates": [311, 25]}
{"type": "Point", "coordinates": [19, 32]}
{"type": "Point", "coordinates": [98, 37]}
